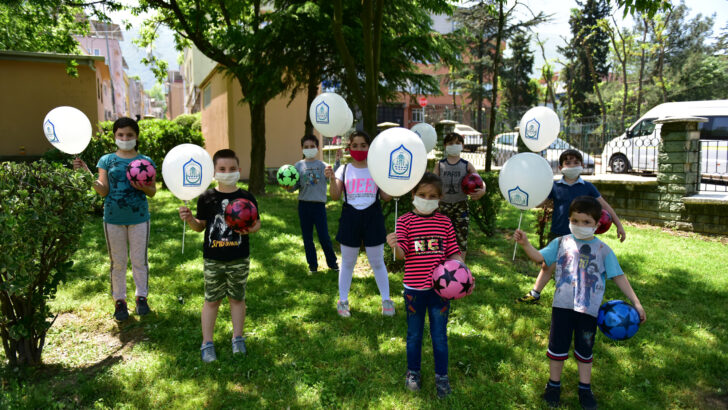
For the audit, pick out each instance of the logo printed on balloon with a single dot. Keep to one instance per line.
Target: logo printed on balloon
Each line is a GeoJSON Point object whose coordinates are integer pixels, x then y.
{"type": "Point", "coordinates": [322, 113]}
{"type": "Point", "coordinates": [400, 163]}
{"type": "Point", "coordinates": [192, 173]}
{"type": "Point", "coordinates": [532, 129]}
{"type": "Point", "coordinates": [50, 131]}
{"type": "Point", "coordinates": [517, 196]}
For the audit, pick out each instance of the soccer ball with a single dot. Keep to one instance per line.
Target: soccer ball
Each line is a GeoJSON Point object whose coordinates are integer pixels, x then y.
{"type": "Point", "coordinates": [241, 214]}
{"type": "Point", "coordinates": [618, 320]}
{"type": "Point", "coordinates": [452, 280]}
{"type": "Point", "coordinates": [605, 222]}
{"type": "Point", "coordinates": [471, 182]}
{"type": "Point", "coordinates": [141, 170]}
{"type": "Point", "coordinates": [287, 175]}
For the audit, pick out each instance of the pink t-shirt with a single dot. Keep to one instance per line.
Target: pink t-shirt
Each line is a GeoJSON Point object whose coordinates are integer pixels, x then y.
{"type": "Point", "coordinates": [361, 191]}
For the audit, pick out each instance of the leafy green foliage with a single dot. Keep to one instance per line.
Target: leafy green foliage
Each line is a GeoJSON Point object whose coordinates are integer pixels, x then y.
{"type": "Point", "coordinates": [42, 212]}
{"type": "Point", "coordinates": [484, 211]}
{"type": "Point", "coordinates": [519, 92]}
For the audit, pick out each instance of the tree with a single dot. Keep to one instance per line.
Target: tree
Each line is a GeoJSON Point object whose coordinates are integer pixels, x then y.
{"type": "Point", "coordinates": [519, 91]}
{"type": "Point", "coordinates": [245, 41]}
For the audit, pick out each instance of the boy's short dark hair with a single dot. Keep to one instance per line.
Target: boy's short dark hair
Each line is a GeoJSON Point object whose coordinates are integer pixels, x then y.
{"type": "Point", "coordinates": [224, 153]}
{"type": "Point", "coordinates": [586, 205]}
{"type": "Point", "coordinates": [453, 137]}
{"type": "Point", "coordinates": [361, 134]}
{"type": "Point", "coordinates": [309, 137]}
{"type": "Point", "coordinates": [570, 153]}
{"type": "Point", "coordinates": [126, 122]}
{"type": "Point", "coordinates": [429, 179]}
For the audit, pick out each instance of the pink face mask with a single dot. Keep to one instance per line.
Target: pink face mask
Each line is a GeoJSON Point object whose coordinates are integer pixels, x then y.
{"type": "Point", "coordinates": [359, 155]}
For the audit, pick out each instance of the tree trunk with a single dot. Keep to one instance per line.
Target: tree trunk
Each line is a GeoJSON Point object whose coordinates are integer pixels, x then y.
{"type": "Point", "coordinates": [480, 72]}
{"type": "Point", "coordinates": [256, 185]}
{"type": "Point", "coordinates": [494, 99]}
{"type": "Point", "coordinates": [312, 91]}
{"type": "Point", "coordinates": [623, 62]}
{"type": "Point", "coordinates": [595, 78]}
{"type": "Point", "coordinates": [642, 69]}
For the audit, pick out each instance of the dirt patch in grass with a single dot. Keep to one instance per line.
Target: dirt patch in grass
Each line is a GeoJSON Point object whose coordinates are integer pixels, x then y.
{"type": "Point", "coordinates": [712, 401]}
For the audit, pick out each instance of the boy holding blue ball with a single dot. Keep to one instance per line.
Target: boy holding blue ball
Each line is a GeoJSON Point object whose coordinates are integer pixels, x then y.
{"type": "Point", "coordinates": [582, 263]}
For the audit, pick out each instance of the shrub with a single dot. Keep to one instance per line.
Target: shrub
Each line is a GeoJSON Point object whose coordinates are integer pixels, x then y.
{"type": "Point", "coordinates": [42, 211]}
{"type": "Point", "coordinates": [484, 210]}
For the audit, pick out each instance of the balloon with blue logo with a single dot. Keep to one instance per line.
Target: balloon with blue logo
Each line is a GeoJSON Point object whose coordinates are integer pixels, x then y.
{"type": "Point", "coordinates": [427, 133]}
{"type": "Point", "coordinates": [397, 160]}
{"type": "Point", "coordinates": [68, 129]}
{"type": "Point", "coordinates": [539, 128]}
{"type": "Point", "coordinates": [329, 114]}
{"type": "Point", "coordinates": [618, 320]}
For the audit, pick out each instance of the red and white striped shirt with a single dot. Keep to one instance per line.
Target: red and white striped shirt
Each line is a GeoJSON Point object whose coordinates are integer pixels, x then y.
{"type": "Point", "coordinates": [427, 241]}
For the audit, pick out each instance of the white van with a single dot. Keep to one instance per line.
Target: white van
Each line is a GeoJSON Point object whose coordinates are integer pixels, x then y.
{"type": "Point", "coordinates": [636, 149]}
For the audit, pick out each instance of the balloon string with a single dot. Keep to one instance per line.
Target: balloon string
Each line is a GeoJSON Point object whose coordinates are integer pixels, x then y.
{"type": "Point", "coordinates": [515, 245]}
{"type": "Point", "coordinates": [184, 230]}
{"type": "Point", "coordinates": [394, 251]}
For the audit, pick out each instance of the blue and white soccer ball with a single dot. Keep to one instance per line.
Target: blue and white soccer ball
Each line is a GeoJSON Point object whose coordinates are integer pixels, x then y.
{"type": "Point", "coordinates": [618, 320]}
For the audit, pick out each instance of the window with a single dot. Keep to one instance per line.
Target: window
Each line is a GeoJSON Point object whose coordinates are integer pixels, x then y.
{"type": "Point", "coordinates": [452, 89]}
{"type": "Point", "coordinates": [717, 130]}
{"type": "Point", "coordinates": [206, 96]}
{"type": "Point", "coordinates": [98, 89]}
{"type": "Point", "coordinates": [417, 115]}
{"type": "Point", "coordinates": [645, 127]}
{"type": "Point", "coordinates": [97, 52]}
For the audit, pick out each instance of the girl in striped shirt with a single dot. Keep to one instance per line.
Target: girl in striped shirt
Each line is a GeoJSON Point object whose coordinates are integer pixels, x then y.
{"type": "Point", "coordinates": [424, 239]}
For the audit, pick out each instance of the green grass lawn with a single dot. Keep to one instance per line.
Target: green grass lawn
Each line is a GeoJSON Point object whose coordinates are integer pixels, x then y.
{"type": "Point", "coordinates": [301, 354]}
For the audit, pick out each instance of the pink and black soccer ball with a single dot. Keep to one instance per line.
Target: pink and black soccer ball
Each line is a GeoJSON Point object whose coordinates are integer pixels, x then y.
{"type": "Point", "coordinates": [141, 170]}
{"type": "Point", "coordinates": [605, 222]}
{"type": "Point", "coordinates": [471, 182]}
{"type": "Point", "coordinates": [241, 214]}
{"type": "Point", "coordinates": [452, 280]}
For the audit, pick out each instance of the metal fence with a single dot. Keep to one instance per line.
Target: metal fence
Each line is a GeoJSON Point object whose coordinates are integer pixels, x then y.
{"type": "Point", "coordinates": [713, 165]}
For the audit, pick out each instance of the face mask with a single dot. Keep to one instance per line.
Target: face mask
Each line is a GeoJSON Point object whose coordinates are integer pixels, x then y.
{"type": "Point", "coordinates": [425, 206]}
{"type": "Point", "coordinates": [310, 152]}
{"type": "Point", "coordinates": [582, 232]}
{"type": "Point", "coordinates": [125, 145]}
{"type": "Point", "coordinates": [454, 149]}
{"type": "Point", "coordinates": [227, 178]}
{"type": "Point", "coordinates": [572, 173]}
{"type": "Point", "coordinates": [359, 155]}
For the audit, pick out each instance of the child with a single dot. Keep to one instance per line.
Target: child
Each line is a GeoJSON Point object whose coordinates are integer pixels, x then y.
{"type": "Point", "coordinates": [312, 204]}
{"type": "Point", "coordinates": [226, 252]}
{"type": "Point", "coordinates": [361, 222]}
{"type": "Point", "coordinates": [425, 239]}
{"type": "Point", "coordinates": [577, 296]}
{"type": "Point", "coordinates": [454, 204]}
{"type": "Point", "coordinates": [126, 217]}
{"type": "Point", "coordinates": [563, 193]}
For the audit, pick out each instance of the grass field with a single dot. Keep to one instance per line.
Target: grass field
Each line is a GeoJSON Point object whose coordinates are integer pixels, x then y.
{"type": "Point", "coordinates": [302, 355]}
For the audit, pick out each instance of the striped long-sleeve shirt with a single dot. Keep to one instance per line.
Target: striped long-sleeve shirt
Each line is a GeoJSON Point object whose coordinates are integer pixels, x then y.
{"type": "Point", "coordinates": [427, 241]}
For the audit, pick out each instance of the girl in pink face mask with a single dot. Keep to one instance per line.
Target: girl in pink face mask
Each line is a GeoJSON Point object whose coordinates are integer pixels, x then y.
{"type": "Point", "coordinates": [361, 222]}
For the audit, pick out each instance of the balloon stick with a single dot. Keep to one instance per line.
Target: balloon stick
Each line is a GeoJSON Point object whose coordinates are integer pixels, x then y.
{"type": "Point", "coordinates": [396, 202]}
{"type": "Point", "coordinates": [515, 245]}
{"type": "Point", "coordinates": [184, 230]}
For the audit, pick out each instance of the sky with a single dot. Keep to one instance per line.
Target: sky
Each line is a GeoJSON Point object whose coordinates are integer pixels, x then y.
{"type": "Point", "coordinates": [550, 32]}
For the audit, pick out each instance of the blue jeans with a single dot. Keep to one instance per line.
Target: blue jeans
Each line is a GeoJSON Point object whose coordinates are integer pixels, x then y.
{"type": "Point", "coordinates": [314, 214]}
{"type": "Point", "coordinates": [419, 303]}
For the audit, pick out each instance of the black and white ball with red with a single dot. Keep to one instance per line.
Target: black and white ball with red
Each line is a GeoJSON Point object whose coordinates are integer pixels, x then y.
{"type": "Point", "coordinates": [241, 214]}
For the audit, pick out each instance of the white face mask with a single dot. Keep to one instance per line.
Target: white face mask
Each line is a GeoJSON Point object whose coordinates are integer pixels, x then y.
{"type": "Point", "coordinates": [425, 206]}
{"type": "Point", "coordinates": [582, 232]}
{"type": "Point", "coordinates": [310, 152]}
{"type": "Point", "coordinates": [572, 173]}
{"type": "Point", "coordinates": [125, 145]}
{"type": "Point", "coordinates": [454, 149]}
{"type": "Point", "coordinates": [227, 178]}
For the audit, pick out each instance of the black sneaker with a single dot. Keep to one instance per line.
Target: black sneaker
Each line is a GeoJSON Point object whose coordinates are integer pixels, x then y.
{"type": "Point", "coordinates": [551, 395]}
{"type": "Point", "coordinates": [142, 307]}
{"type": "Point", "coordinates": [121, 313]}
{"type": "Point", "coordinates": [442, 383]}
{"type": "Point", "coordinates": [587, 400]}
{"type": "Point", "coordinates": [412, 380]}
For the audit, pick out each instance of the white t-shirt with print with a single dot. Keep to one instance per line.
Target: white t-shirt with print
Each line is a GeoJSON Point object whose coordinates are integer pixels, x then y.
{"type": "Point", "coordinates": [361, 191]}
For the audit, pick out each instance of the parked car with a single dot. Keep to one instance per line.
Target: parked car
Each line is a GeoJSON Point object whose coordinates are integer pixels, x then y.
{"type": "Point", "coordinates": [636, 149]}
{"type": "Point", "coordinates": [506, 146]}
{"type": "Point", "coordinates": [473, 138]}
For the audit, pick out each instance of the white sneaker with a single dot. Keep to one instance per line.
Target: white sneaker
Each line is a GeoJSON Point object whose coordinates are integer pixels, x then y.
{"type": "Point", "coordinates": [343, 308]}
{"type": "Point", "coordinates": [387, 307]}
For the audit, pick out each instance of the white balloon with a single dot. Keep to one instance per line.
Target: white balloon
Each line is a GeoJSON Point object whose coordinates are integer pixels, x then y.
{"type": "Point", "coordinates": [187, 170]}
{"type": "Point", "coordinates": [427, 133]}
{"type": "Point", "coordinates": [328, 113]}
{"type": "Point", "coordinates": [526, 180]}
{"type": "Point", "coordinates": [68, 129]}
{"type": "Point", "coordinates": [348, 123]}
{"type": "Point", "coordinates": [397, 160]}
{"type": "Point", "coordinates": [539, 127]}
